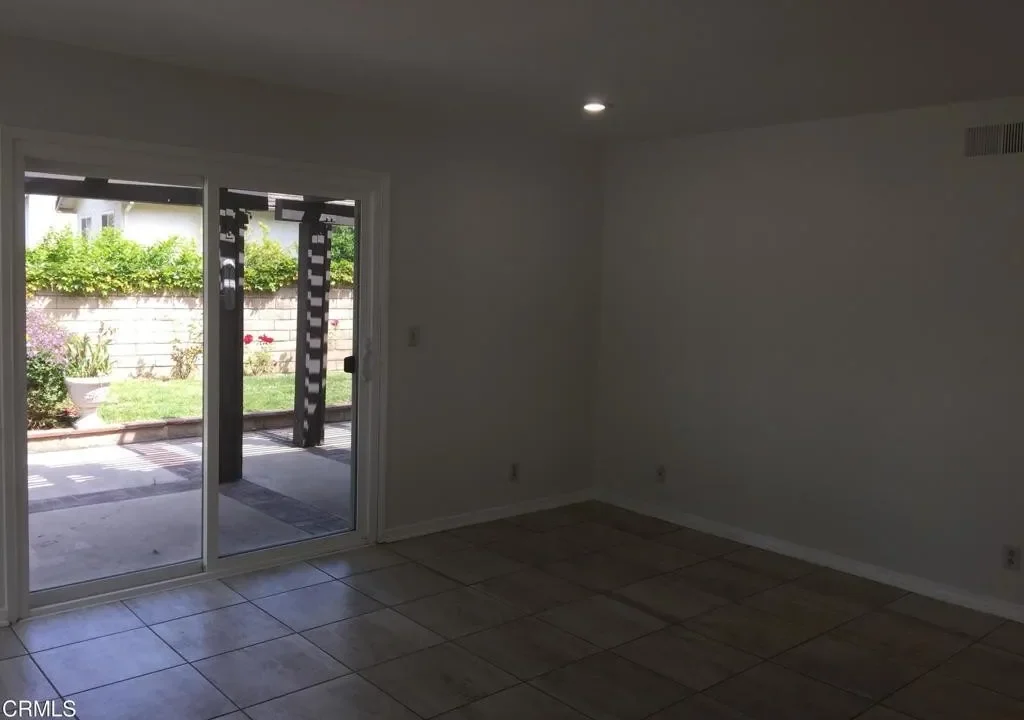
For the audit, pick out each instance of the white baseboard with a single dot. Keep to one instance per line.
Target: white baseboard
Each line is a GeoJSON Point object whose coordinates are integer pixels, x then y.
{"type": "Point", "coordinates": [910, 583]}
{"type": "Point", "coordinates": [450, 522]}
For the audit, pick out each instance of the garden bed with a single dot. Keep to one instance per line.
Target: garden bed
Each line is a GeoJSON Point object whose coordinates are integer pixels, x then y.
{"type": "Point", "coordinates": [169, 429]}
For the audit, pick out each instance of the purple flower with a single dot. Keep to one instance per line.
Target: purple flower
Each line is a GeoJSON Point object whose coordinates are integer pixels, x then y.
{"type": "Point", "coordinates": [43, 334]}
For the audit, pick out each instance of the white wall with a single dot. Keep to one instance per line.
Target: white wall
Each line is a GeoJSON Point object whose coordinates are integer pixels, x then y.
{"type": "Point", "coordinates": [493, 255]}
{"type": "Point", "coordinates": [818, 329]}
{"type": "Point", "coordinates": [41, 216]}
{"type": "Point", "coordinates": [148, 223]}
{"type": "Point", "coordinates": [94, 210]}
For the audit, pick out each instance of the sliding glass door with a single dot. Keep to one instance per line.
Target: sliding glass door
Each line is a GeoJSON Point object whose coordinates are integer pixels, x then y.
{"type": "Point", "coordinates": [286, 402]}
{"type": "Point", "coordinates": [198, 352]}
{"type": "Point", "coordinates": [113, 278]}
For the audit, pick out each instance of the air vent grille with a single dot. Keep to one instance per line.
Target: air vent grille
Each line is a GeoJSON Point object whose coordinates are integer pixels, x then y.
{"type": "Point", "coordinates": [1004, 139]}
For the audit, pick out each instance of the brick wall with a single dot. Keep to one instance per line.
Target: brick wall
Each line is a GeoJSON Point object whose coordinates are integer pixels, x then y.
{"type": "Point", "coordinates": [147, 326]}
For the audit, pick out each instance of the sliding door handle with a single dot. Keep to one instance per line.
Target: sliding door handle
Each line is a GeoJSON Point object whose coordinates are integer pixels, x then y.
{"type": "Point", "coordinates": [349, 364]}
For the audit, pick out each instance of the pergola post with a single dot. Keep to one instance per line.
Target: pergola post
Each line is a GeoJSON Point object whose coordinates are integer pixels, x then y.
{"type": "Point", "coordinates": [311, 338]}
{"type": "Point", "coordinates": [229, 374]}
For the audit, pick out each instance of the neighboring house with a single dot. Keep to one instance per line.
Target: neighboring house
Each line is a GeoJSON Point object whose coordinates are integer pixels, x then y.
{"type": "Point", "coordinates": [146, 223]}
{"type": "Point", "coordinates": [41, 216]}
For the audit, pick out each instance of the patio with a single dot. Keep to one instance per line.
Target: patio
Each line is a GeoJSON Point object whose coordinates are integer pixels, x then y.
{"type": "Point", "coordinates": [103, 511]}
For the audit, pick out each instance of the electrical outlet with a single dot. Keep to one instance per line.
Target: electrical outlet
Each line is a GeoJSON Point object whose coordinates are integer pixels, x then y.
{"type": "Point", "coordinates": [662, 474]}
{"type": "Point", "coordinates": [513, 472]}
{"type": "Point", "coordinates": [414, 336]}
{"type": "Point", "coordinates": [1011, 557]}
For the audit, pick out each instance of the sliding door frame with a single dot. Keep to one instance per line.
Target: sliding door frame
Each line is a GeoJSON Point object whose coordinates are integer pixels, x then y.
{"type": "Point", "coordinates": [100, 157]}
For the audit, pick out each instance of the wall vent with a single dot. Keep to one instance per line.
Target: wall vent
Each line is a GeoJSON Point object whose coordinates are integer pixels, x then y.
{"type": "Point", "coordinates": [1004, 139]}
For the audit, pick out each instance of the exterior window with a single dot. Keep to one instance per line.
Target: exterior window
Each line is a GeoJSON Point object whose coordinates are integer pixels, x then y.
{"type": "Point", "coordinates": [107, 220]}
{"type": "Point", "coordinates": [86, 226]}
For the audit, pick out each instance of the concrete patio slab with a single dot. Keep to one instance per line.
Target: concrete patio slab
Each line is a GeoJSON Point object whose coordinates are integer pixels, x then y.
{"type": "Point", "coordinates": [104, 511]}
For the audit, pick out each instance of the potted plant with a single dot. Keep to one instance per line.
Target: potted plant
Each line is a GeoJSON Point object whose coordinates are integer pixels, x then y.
{"type": "Point", "coordinates": [88, 375]}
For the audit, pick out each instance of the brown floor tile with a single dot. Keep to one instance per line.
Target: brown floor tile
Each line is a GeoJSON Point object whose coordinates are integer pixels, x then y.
{"type": "Point", "coordinates": [700, 707]}
{"type": "Point", "coordinates": [438, 679]}
{"type": "Point", "coordinates": [632, 522]}
{"type": "Point", "coordinates": [948, 617]}
{"type": "Point", "coordinates": [902, 638]}
{"type": "Point", "coordinates": [400, 583]}
{"type": "Point", "coordinates": [669, 597]}
{"type": "Point", "coordinates": [489, 532]}
{"type": "Point", "coordinates": [609, 687]}
{"type": "Point", "coordinates": [472, 565]}
{"type": "Point", "coordinates": [883, 713]}
{"type": "Point", "coordinates": [770, 563]}
{"type": "Point", "coordinates": [424, 546]}
{"type": "Point", "coordinates": [373, 638]}
{"type": "Point", "coordinates": [261, 672]}
{"type": "Point", "coordinates": [347, 698]}
{"type": "Point", "coordinates": [769, 692]}
{"type": "Point", "coordinates": [591, 536]}
{"type": "Point", "coordinates": [990, 668]}
{"type": "Point", "coordinates": [527, 648]}
{"type": "Point", "coordinates": [544, 520]}
{"type": "Point", "coordinates": [535, 548]}
{"type": "Point", "coordinates": [851, 587]}
{"type": "Point", "coordinates": [751, 630]}
{"type": "Point", "coordinates": [806, 607]}
{"type": "Point", "coordinates": [341, 565]}
{"type": "Point", "coordinates": [849, 667]}
{"type": "Point", "coordinates": [518, 703]}
{"type": "Point", "coordinates": [1009, 637]}
{"type": "Point", "coordinates": [935, 697]}
{"type": "Point", "coordinates": [700, 543]}
{"type": "Point", "coordinates": [688, 658]}
{"type": "Point", "coordinates": [726, 580]}
{"type": "Point", "coordinates": [599, 571]}
{"type": "Point", "coordinates": [459, 612]}
{"type": "Point", "coordinates": [659, 557]}
{"type": "Point", "coordinates": [533, 590]}
{"type": "Point", "coordinates": [602, 620]}
{"type": "Point", "coordinates": [10, 645]}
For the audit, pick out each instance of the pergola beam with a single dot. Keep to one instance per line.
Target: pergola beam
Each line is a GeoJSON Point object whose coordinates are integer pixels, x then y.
{"type": "Point", "coordinates": [102, 189]}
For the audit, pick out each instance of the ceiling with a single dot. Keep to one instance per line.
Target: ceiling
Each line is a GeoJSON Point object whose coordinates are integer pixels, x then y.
{"type": "Point", "coordinates": [668, 66]}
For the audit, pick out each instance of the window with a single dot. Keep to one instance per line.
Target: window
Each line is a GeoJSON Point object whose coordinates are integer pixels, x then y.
{"type": "Point", "coordinates": [85, 225]}
{"type": "Point", "coordinates": [107, 220]}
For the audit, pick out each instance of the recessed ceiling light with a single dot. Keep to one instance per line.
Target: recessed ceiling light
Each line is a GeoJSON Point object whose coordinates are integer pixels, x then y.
{"type": "Point", "coordinates": [595, 107]}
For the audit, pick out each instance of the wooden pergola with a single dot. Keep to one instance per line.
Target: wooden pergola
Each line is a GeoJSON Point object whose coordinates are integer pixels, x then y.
{"type": "Point", "coordinates": [315, 217]}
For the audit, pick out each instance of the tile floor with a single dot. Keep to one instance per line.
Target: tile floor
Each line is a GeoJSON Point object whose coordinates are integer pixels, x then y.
{"type": "Point", "coordinates": [586, 611]}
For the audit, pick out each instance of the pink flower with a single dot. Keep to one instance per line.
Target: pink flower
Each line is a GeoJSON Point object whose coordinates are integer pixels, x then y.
{"type": "Point", "coordinates": [247, 339]}
{"type": "Point", "coordinates": [266, 339]}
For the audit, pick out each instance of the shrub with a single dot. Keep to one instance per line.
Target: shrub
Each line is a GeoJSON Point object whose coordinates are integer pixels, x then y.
{"type": "Point", "coordinates": [186, 356]}
{"type": "Point", "coordinates": [268, 266]}
{"type": "Point", "coordinates": [343, 255]}
{"type": "Point", "coordinates": [88, 358]}
{"type": "Point", "coordinates": [111, 264]}
{"type": "Point", "coordinates": [47, 403]}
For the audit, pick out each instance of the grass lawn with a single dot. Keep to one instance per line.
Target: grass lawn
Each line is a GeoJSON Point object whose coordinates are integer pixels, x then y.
{"type": "Point", "coordinates": [159, 399]}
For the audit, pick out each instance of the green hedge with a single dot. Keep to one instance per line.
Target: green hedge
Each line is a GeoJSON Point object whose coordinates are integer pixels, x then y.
{"type": "Point", "coordinates": [111, 264]}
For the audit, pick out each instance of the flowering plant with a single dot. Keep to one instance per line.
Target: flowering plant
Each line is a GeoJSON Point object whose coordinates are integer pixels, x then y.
{"type": "Point", "coordinates": [44, 335]}
{"type": "Point", "coordinates": [46, 351]}
{"type": "Point", "coordinates": [259, 361]}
